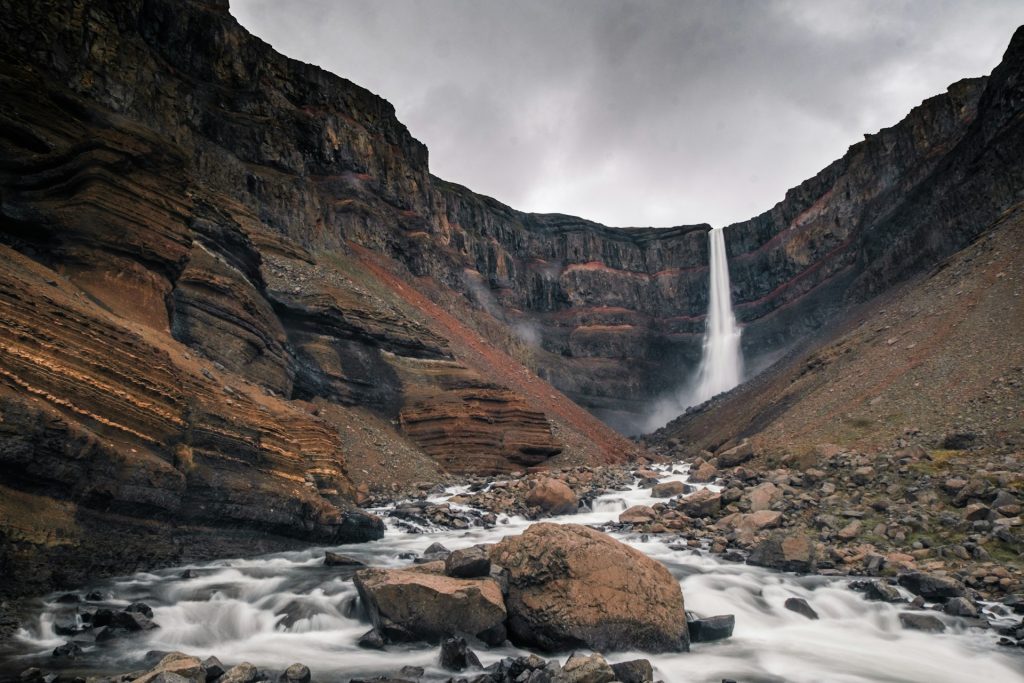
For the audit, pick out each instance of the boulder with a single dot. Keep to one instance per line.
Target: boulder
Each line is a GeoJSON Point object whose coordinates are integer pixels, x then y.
{"type": "Point", "coordinates": [919, 621]}
{"type": "Point", "coordinates": [296, 673]}
{"type": "Point", "coordinates": [704, 473]}
{"type": "Point", "coordinates": [795, 553]}
{"type": "Point", "coordinates": [800, 606]}
{"type": "Point", "coordinates": [241, 673]}
{"type": "Point", "coordinates": [178, 664]}
{"type": "Point", "coordinates": [339, 560]}
{"type": "Point", "coordinates": [703, 503]}
{"type": "Point", "coordinates": [553, 497]}
{"type": "Point", "coordinates": [421, 604]}
{"type": "Point", "coordinates": [667, 489]}
{"type": "Point", "coordinates": [69, 649]}
{"type": "Point", "coordinates": [850, 531]}
{"type": "Point", "coordinates": [371, 640]}
{"type": "Point", "coordinates": [932, 586]}
{"type": "Point", "coordinates": [712, 628]}
{"type": "Point", "coordinates": [468, 563]}
{"type": "Point", "coordinates": [737, 455]}
{"type": "Point", "coordinates": [456, 655]}
{"type": "Point", "coordinates": [751, 523]}
{"type": "Point", "coordinates": [571, 586]}
{"type": "Point", "coordinates": [634, 671]}
{"type": "Point", "coordinates": [214, 668]}
{"type": "Point", "coordinates": [586, 669]}
{"type": "Point", "coordinates": [877, 590]}
{"type": "Point", "coordinates": [960, 607]}
{"type": "Point", "coordinates": [763, 496]}
{"type": "Point", "coordinates": [638, 514]}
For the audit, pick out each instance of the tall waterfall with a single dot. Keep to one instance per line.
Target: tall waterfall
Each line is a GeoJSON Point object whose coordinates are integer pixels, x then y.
{"type": "Point", "coordinates": [721, 364]}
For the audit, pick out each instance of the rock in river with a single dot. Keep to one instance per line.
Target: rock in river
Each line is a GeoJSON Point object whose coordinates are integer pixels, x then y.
{"type": "Point", "coordinates": [421, 603]}
{"type": "Point", "coordinates": [553, 497]}
{"type": "Point", "coordinates": [571, 586]}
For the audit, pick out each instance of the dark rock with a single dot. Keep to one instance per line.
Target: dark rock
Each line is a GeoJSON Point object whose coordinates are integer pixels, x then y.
{"type": "Point", "coordinates": [437, 549]}
{"type": "Point", "coordinates": [371, 640]}
{"type": "Point", "coordinates": [102, 617]}
{"type": "Point", "coordinates": [339, 560]}
{"type": "Point", "coordinates": [213, 667]}
{"type": "Point", "coordinates": [711, 628]}
{"type": "Point", "coordinates": [932, 586]}
{"type": "Point", "coordinates": [919, 621]}
{"type": "Point", "coordinates": [69, 649]}
{"type": "Point", "coordinates": [31, 675]}
{"type": "Point", "coordinates": [296, 673]}
{"type": "Point", "coordinates": [94, 596]}
{"type": "Point", "coordinates": [140, 608]}
{"type": "Point", "coordinates": [468, 563]}
{"type": "Point", "coordinates": [411, 671]}
{"type": "Point", "coordinates": [960, 607]}
{"type": "Point", "coordinates": [877, 590]}
{"type": "Point", "coordinates": [634, 671]}
{"type": "Point", "coordinates": [66, 625]}
{"type": "Point", "coordinates": [456, 655]}
{"type": "Point", "coordinates": [131, 621]}
{"type": "Point", "coordinates": [69, 598]}
{"type": "Point", "coordinates": [800, 606]}
{"type": "Point", "coordinates": [790, 553]}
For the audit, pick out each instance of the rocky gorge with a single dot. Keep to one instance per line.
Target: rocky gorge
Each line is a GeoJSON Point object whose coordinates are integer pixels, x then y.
{"type": "Point", "coordinates": [272, 392]}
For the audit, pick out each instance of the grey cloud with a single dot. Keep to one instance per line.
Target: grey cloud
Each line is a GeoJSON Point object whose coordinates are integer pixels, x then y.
{"type": "Point", "coordinates": [641, 113]}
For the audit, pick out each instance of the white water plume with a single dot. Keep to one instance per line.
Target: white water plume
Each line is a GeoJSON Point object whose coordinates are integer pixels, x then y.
{"type": "Point", "coordinates": [721, 363]}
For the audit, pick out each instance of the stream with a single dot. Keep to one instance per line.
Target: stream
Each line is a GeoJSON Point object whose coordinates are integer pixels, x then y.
{"type": "Point", "coordinates": [283, 608]}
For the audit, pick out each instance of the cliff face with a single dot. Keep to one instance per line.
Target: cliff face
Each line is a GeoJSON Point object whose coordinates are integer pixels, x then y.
{"type": "Point", "coordinates": [200, 324]}
{"type": "Point", "coordinates": [221, 266]}
{"type": "Point", "coordinates": [615, 317]}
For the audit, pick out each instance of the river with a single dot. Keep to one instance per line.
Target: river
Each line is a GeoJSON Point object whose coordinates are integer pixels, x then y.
{"type": "Point", "coordinates": [287, 607]}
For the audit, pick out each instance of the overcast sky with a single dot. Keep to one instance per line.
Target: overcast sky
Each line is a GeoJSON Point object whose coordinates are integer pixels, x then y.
{"type": "Point", "coordinates": [641, 113]}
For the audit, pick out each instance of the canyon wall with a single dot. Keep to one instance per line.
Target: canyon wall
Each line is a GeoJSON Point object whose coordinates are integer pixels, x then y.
{"type": "Point", "coordinates": [227, 275]}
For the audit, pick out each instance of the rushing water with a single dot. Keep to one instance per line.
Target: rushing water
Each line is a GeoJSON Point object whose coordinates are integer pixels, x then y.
{"type": "Point", "coordinates": [721, 365]}
{"type": "Point", "coordinates": [285, 608]}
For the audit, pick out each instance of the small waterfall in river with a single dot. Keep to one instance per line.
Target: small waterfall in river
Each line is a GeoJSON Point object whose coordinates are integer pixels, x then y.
{"type": "Point", "coordinates": [721, 364]}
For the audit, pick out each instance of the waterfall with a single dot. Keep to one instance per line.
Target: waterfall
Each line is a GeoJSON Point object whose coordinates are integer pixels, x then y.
{"type": "Point", "coordinates": [721, 364]}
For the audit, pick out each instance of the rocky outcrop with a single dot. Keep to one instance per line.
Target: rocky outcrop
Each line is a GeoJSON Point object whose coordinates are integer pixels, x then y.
{"type": "Point", "coordinates": [571, 586]}
{"type": "Point", "coordinates": [423, 604]}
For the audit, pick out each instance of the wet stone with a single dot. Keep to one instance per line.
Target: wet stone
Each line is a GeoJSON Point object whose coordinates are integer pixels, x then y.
{"type": "Point", "coordinates": [800, 606]}
{"type": "Point", "coordinates": [711, 628]}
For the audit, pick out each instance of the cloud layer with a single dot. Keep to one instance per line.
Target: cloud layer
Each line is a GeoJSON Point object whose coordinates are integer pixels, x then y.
{"type": "Point", "coordinates": [641, 112]}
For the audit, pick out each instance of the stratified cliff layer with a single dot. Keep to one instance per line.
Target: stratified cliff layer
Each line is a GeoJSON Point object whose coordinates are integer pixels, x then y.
{"type": "Point", "coordinates": [193, 343]}
{"type": "Point", "coordinates": [226, 274]}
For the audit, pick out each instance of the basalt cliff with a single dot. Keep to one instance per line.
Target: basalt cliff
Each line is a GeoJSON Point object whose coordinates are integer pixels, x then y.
{"type": "Point", "coordinates": [234, 302]}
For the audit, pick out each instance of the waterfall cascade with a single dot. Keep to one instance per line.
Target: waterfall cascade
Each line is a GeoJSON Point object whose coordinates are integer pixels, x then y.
{"type": "Point", "coordinates": [721, 365]}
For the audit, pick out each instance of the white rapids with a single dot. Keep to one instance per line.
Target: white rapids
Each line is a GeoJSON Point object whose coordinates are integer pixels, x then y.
{"type": "Point", "coordinates": [284, 608]}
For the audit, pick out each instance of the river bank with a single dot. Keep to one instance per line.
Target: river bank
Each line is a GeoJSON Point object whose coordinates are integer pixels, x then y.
{"type": "Point", "coordinates": [280, 609]}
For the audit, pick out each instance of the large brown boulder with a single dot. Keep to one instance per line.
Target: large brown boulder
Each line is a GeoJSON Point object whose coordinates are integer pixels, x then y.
{"type": "Point", "coordinates": [553, 497]}
{"type": "Point", "coordinates": [571, 586]}
{"type": "Point", "coordinates": [423, 604]}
